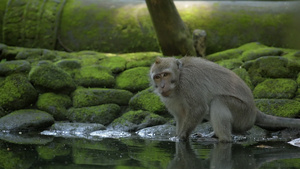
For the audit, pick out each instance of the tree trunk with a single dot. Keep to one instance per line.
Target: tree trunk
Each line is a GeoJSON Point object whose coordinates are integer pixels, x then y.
{"type": "Point", "coordinates": [173, 36]}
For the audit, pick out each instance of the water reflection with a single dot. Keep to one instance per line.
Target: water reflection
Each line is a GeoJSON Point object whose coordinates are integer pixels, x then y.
{"type": "Point", "coordinates": [134, 152]}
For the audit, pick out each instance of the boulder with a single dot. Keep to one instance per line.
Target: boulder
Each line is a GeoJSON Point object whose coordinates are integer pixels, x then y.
{"type": "Point", "coordinates": [16, 66]}
{"type": "Point", "coordinates": [276, 89]}
{"type": "Point", "coordinates": [48, 77]}
{"type": "Point", "coordinates": [103, 114]}
{"type": "Point", "coordinates": [84, 97]}
{"type": "Point", "coordinates": [54, 104]}
{"type": "Point", "coordinates": [16, 92]}
{"type": "Point", "coordinates": [230, 63]}
{"type": "Point", "coordinates": [148, 101]}
{"type": "Point", "coordinates": [256, 53]}
{"type": "Point", "coordinates": [136, 120]}
{"type": "Point", "coordinates": [135, 79]}
{"type": "Point", "coordinates": [26, 120]}
{"type": "Point", "coordinates": [140, 59]}
{"type": "Point", "coordinates": [115, 64]}
{"type": "Point", "coordinates": [226, 54]}
{"type": "Point", "coordinates": [94, 76]}
{"type": "Point", "coordinates": [279, 107]}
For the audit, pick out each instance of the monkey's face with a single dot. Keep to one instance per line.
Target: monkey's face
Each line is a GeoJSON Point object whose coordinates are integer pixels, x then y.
{"type": "Point", "coordinates": [164, 75]}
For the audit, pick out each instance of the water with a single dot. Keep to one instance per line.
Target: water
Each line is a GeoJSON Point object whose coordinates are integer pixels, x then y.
{"type": "Point", "coordinates": [47, 152]}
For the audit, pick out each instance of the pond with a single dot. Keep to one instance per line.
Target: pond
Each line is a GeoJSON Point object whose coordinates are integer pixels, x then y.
{"type": "Point", "coordinates": [26, 151]}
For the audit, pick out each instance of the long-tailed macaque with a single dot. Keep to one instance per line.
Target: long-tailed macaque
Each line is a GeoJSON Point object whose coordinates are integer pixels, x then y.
{"type": "Point", "coordinates": [193, 88]}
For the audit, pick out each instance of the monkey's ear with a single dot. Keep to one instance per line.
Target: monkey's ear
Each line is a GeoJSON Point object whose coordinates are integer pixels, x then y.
{"type": "Point", "coordinates": [179, 63]}
{"type": "Point", "coordinates": [158, 60]}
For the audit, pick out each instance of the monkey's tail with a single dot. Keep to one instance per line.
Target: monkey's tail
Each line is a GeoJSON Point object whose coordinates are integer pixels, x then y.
{"type": "Point", "coordinates": [270, 122]}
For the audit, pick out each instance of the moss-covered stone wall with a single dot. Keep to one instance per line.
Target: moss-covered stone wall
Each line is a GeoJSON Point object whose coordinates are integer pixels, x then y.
{"type": "Point", "coordinates": [121, 27]}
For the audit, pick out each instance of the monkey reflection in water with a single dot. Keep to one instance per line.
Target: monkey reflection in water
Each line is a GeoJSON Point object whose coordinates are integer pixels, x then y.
{"type": "Point", "coordinates": [193, 88]}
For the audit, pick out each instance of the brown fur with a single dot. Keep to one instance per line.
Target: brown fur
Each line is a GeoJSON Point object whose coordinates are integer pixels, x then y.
{"type": "Point", "coordinates": [195, 88]}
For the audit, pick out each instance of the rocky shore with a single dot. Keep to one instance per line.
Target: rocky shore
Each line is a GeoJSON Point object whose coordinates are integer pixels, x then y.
{"type": "Point", "coordinates": [40, 88]}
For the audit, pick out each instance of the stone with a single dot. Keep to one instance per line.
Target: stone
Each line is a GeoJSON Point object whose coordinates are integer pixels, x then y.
{"type": "Point", "coordinates": [230, 63]}
{"type": "Point", "coordinates": [136, 120]}
{"type": "Point", "coordinates": [115, 64]}
{"type": "Point", "coordinates": [251, 46]}
{"type": "Point", "coordinates": [279, 107]}
{"type": "Point", "coordinates": [256, 53]}
{"type": "Point", "coordinates": [148, 101]}
{"type": "Point", "coordinates": [276, 89]}
{"type": "Point", "coordinates": [16, 92]}
{"type": "Point", "coordinates": [224, 55]}
{"type": "Point", "coordinates": [84, 97]}
{"type": "Point", "coordinates": [54, 104]}
{"type": "Point", "coordinates": [26, 120]}
{"type": "Point", "coordinates": [135, 79]}
{"type": "Point", "coordinates": [243, 74]}
{"type": "Point", "coordinates": [140, 59]}
{"type": "Point", "coordinates": [16, 66]}
{"type": "Point", "coordinates": [164, 131]}
{"type": "Point", "coordinates": [103, 114]}
{"type": "Point", "coordinates": [94, 76]}
{"type": "Point", "coordinates": [48, 77]}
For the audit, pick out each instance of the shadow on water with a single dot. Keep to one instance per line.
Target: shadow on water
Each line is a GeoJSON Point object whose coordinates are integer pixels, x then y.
{"type": "Point", "coordinates": [44, 152]}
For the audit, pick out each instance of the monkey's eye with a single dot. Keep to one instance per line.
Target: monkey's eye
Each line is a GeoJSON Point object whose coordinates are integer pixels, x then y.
{"type": "Point", "coordinates": [156, 77]}
{"type": "Point", "coordinates": [165, 74]}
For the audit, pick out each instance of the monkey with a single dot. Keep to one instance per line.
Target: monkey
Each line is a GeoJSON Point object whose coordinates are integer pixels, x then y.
{"type": "Point", "coordinates": [193, 88]}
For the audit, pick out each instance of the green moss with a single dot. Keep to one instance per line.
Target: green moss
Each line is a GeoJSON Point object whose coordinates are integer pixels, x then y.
{"type": "Point", "coordinates": [16, 92]}
{"type": "Point", "coordinates": [54, 104]}
{"type": "Point", "coordinates": [134, 79]}
{"type": "Point", "coordinates": [230, 63]}
{"type": "Point", "coordinates": [51, 78]}
{"type": "Point", "coordinates": [251, 46]}
{"type": "Point", "coordinates": [254, 54]}
{"type": "Point", "coordinates": [115, 64]}
{"type": "Point", "coordinates": [18, 66]}
{"type": "Point", "coordinates": [223, 55]}
{"type": "Point", "coordinates": [243, 74]}
{"type": "Point", "coordinates": [279, 107]}
{"type": "Point", "coordinates": [67, 64]}
{"type": "Point", "coordinates": [94, 76]}
{"type": "Point", "coordinates": [96, 96]}
{"type": "Point", "coordinates": [276, 88]}
{"type": "Point", "coordinates": [147, 100]}
{"type": "Point", "coordinates": [140, 59]}
{"type": "Point", "coordinates": [103, 114]}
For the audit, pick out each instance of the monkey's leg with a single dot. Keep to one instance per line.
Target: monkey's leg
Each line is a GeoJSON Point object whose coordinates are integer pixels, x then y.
{"type": "Point", "coordinates": [221, 120]}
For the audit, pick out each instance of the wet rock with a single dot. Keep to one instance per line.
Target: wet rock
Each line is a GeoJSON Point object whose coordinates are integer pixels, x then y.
{"type": "Point", "coordinates": [94, 76]}
{"type": "Point", "coordinates": [110, 134]}
{"type": "Point", "coordinates": [147, 100]}
{"type": "Point", "coordinates": [54, 104]}
{"type": "Point", "coordinates": [17, 66]}
{"type": "Point", "coordinates": [135, 79]}
{"type": "Point", "coordinates": [243, 74]}
{"type": "Point", "coordinates": [270, 67]}
{"type": "Point", "coordinates": [135, 120]}
{"type": "Point", "coordinates": [279, 107]}
{"type": "Point", "coordinates": [164, 131]}
{"type": "Point", "coordinates": [103, 114]}
{"type": "Point", "coordinates": [254, 54]}
{"type": "Point", "coordinates": [230, 63]}
{"type": "Point", "coordinates": [26, 120]}
{"type": "Point", "coordinates": [16, 92]}
{"type": "Point", "coordinates": [276, 89]}
{"type": "Point", "coordinates": [25, 138]}
{"type": "Point", "coordinates": [83, 97]}
{"type": "Point", "coordinates": [51, 78]}
{"type": "Point", "coordinates": [52, 150]}
{"type": "Point", "coordinates": [115, 64]}
{"type": "Point", "coordinates": [223, 55]}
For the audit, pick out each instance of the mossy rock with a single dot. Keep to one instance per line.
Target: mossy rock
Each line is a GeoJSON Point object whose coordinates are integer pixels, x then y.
{"type": "Point", "coordinates": [83, 97]}
{"type": "Point", "coordinates": [136, 120]}
{"type": "Point", "coordinates": [16, 92]}
{"type": "Point", "coordinates": [254, 54]}
{"type": "Point", "coordinates": [10, 53]}
{"type": "Point", "coordinates": [26, 120]}
{"type": "Point", "coordinates": [16, 66]}
{"type": "Point", "coordinates": [94, 76]}
{"type": "Point", "coordinates": [135, 79]}
{"type": "Point", "coordinates": [243, 74]}
{"type": "Point", "coordinates": [279, 107]}
{"type": "Point", "coordinates": [140, 59]}
{"type": "Point", "coordinates": [68, 64]}
{"type": "Point", "coordinates": [230, 63]}
{"type": "Point", "coordinates": [103, 114]}
{"type": "Point", "coordinates": [36, 54]}
{"type": "Point", "coordinates": [48, 77]}
{"type": "Point", "coordinates": [54, 104]}
{"type": "Point", "coordinates": [276, 89]}
{"type": "Point", "coordinates": [298, 90]}
{"type": "Point", "coordinates": [147, 100]}
{"type": "Point", "coordinates": [226, 54]}
{"type": "Point", "coordinates": [115, 64]}
{"type": "Point", "coordinates": [269, 67]}
{"type": "Point", "coordinates": [52, 150]}
{"type": "Point", "coordinates": [251, 46]}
